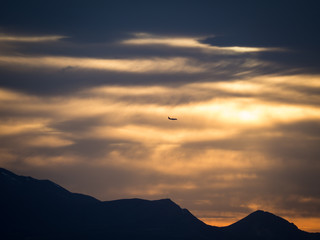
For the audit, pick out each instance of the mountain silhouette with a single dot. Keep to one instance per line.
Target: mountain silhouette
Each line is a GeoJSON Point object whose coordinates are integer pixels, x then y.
{"type": "Point", "coordinates": [41, 209]}
{"type": "Point", "coordinates": [264, 225]}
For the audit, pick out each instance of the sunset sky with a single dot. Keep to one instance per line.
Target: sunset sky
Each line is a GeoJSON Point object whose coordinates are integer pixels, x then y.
{"type": "Point", "coordinates": [86, 89]}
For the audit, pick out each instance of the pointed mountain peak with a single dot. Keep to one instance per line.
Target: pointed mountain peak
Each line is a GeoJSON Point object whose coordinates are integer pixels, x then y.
{"type": "Point", "coordinates": [165, 201]}
{"type": "Point", "coordinates": [268, 218]}
{"type": "Point", "coordinates": [262, 214]}
{"type": "Point", "coordinates": [259, 212]}
{"type": "Point", "coordinates": [261, 223]}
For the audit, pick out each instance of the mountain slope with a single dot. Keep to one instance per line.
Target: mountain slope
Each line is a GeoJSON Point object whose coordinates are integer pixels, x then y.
{"type": "Point", "coordinates": [30, 206]}
{"type": "Point", "coordinates": [264, 225]}
{"type": "Point", "coordinates": [40, 209]}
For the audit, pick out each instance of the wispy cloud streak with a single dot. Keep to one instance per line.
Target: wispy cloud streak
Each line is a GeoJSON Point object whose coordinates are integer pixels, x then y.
{"type": "Point", "coordinates": [144, 39]}
{"type": "Point", "coordinates": [152, 65]}
{"type": "Point", "coordinates": [34, 39]}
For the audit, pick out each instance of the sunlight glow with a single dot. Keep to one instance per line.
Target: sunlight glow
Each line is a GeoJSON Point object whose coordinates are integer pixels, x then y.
{"type": "Point", "coordinates": [309, 224]}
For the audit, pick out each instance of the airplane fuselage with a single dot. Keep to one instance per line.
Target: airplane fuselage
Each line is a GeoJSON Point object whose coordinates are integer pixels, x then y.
{"type": "Point", "coordinates": [172, 118]}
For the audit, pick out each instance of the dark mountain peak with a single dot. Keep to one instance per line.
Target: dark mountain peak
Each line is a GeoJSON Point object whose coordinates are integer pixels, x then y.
{"type": "Point", "coordinates": [166, 200]}
{"type": "Point", "coordinates": [264, 219]}
{"type": "Point", "coordinates": [268, 219]}
{"type": "Point", "coordinates": [260, 215]}
{"type": "Point", "coordinates": [259, 212]}
{"type": "Point", "coordinates": [155, 214]}
{"type": "Point", "coordinates": [142, 203]}
{"type": "Point", "coordinates": [264, 225]}
{"type": "Point", "coordinates": [147, 207]}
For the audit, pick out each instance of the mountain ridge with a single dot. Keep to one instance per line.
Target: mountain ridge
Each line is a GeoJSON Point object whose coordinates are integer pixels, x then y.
{"type": "Point", "coordinates": [41, 209]}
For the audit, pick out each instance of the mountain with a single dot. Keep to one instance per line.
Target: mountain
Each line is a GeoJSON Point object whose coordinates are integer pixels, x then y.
{"type": "Point", "coordinates": [41, 209]}
{"type": "Point", "coordinates": [261, 225]}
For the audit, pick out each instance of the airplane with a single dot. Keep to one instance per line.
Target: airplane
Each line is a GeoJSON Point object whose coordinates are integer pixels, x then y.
{"type": "Point", "coordinates": [172, 118]}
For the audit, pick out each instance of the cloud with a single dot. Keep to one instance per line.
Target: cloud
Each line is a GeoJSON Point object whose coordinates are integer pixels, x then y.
{"type": "Point", "coordinates": [145, 39]}
{"type": "Point", "coordinates": [56, 67]}
{"type": "Point", "coordinates": [155, 65]}
{"type": "Point", "coordinates": [33, 39]}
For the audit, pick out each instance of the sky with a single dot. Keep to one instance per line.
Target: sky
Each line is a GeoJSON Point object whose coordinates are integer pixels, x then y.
{"type": "Point", "coordinates": [86, 88]}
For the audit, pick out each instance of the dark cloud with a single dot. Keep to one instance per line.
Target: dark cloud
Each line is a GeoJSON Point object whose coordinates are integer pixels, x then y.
{"type": "Point", "coordinates": [42, 80]}
{"type": "Point", "coordinates": [289, 25]}
{"type": "Point", "coordinates": [247, 21]}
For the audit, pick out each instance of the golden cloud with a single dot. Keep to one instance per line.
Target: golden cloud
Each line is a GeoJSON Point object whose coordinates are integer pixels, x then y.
{"type": "Point", "coordinates": [189, 42]}
{"type": "Point", "coordinates": [150, 65]}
